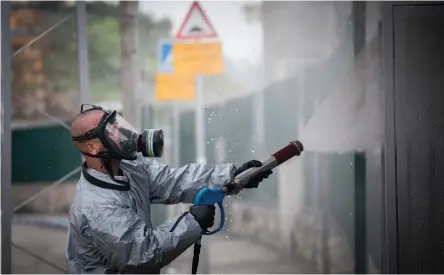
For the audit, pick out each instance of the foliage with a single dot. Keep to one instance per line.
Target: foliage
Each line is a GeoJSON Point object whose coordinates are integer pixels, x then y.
{"type": "Point", "coordinates": [104, 50]}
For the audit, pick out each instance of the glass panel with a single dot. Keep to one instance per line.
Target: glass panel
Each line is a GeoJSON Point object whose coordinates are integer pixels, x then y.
{"type": "Point", "coordinates": [44, 100]}
{"type": "Point", "coordinates": [291, 70]}
{"type": "Point", "coordinates": [44, 90]}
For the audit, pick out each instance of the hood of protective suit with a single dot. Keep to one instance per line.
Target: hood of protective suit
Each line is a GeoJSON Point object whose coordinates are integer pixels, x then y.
{"type": "Point", "coordinates": [111, 230]}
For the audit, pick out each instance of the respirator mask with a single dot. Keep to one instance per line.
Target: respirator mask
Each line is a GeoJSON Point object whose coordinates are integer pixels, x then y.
{"type": "Point", "coordinates": [120, 139]}
{"type": "Point", "coordinates": [124, 142]}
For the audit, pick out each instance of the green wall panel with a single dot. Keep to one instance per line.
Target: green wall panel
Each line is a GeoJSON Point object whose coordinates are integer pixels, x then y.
{"type": "Point", "coordinates": [43, 154]}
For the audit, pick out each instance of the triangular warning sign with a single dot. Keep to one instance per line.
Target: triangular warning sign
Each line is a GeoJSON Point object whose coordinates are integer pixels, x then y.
{"type": "Point", "coordinates": [196, 24]}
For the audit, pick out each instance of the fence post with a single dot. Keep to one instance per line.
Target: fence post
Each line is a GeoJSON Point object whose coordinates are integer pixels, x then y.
{"type": "Point", "coordinates": [6, 196]}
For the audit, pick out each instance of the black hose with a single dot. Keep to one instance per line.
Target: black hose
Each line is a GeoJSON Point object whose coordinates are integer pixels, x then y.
{"type": "Point", "coordinates": [196, 253]}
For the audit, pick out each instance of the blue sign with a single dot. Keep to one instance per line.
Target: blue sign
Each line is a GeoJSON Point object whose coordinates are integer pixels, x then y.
{"type": "Point", "coordinates": [165, 57]}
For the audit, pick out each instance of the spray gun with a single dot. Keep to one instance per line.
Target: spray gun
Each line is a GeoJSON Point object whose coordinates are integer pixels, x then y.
{"type": "Point", "coordinates": [209, 196]}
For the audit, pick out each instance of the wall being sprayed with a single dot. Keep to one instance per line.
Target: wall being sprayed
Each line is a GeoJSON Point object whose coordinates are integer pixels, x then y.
{"type": "Point", "coordinates": [326, 210]}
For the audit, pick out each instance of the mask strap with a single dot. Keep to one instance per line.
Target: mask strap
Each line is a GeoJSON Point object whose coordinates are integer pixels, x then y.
{"type": "Point", "coordinates": [98, 156]}
{"type": "Point", "coordinates": [106, 163]}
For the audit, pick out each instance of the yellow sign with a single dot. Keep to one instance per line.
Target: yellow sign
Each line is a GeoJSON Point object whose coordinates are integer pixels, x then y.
{"type": "Point", "coordinates": [175, 87]}
{"type": "Point", "coordinates": [197, 58]}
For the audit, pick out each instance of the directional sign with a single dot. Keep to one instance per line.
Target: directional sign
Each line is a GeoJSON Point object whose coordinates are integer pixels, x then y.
{"type": "Point", "coordinates": [196, 24]}
{"type": "Point", "coordinates": [169, 85]}
{"type": "Point", "coordinates": [175, 87]}
{"type": "Point", "coordinates": [165, 57]}
{"type": "Point", "coordinates": [198, 58]}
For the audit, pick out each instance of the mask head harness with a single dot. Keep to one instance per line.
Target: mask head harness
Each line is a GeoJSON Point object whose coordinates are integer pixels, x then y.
{"type": "Point", "coordinates": [120, 139]}
{"type": "Point", "coordinates": [102, 132]}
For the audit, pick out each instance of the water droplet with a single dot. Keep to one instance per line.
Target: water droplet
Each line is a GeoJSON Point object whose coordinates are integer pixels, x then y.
{"type": "Point", "coordinates": [351, 214]}
{"type": "Point", "coordinates": [229, 243]}
{"type": "Point", "coordinates": [242, 229]}
{"type": "Point", "coordinates": [237, 110]}
{"type": "Point", "coordinates": [231, 220]}
{"type": "Point", "coordinates": [252, 151]}
{"type": "Point", "coordinates": [208, 142]}
{"type": "Point", "coordinates": [227, 237]}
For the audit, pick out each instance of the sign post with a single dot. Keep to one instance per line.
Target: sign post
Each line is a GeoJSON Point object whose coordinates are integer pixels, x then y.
{"type": "Point", "coordinates": [197, 52]}
{"type": "Point", "coordinates": [194, 54]}
{"type": "Point", "coordinates": [199, 121]}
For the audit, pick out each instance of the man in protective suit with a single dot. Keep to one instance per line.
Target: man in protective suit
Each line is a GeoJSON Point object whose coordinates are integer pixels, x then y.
{"type": "Point", "coordinates": [110, 225]}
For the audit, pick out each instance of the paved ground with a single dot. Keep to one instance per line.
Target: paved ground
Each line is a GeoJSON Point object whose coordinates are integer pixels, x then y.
{"type": "Point", "coordinates": [46, 243]}
{"type": "Point", "coordinates": [221, 254]}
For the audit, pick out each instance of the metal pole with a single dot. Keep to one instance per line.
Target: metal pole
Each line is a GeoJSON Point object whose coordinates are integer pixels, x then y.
{"type": "Point", "coordinates": [82, 53]}
{"type": "Point", "coordinates": [176, 133]}
{"type": "Point", "coordinates": [6, 203]}
{"type": "Point", "coordinates": [201, 156]}
{"type": "Point", "coordinates": [301, 102]}
{"type": "Point", "coordinates": [258, 120]}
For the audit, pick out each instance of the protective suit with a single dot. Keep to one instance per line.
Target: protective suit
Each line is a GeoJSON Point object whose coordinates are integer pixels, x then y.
{"type": "Point", "coordinates": [110, 226]}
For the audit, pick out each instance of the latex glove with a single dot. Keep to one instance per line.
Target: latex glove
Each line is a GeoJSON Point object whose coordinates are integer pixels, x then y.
{"type": "Point", "coordinates": [254, 182]}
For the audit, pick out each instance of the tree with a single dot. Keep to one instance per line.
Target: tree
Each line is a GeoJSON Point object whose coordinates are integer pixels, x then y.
{"type": "Point", "coordinates": [58, 60]}
{"type": "Point", "coordinates": [130, 74]}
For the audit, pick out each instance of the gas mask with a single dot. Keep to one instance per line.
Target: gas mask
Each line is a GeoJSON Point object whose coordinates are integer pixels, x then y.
{"type": "Point", "coordinates": [120, 139]}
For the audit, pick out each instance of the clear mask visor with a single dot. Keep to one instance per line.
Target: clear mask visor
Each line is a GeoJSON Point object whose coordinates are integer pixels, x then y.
{"type": "Point", "coordinates": [122, 135]}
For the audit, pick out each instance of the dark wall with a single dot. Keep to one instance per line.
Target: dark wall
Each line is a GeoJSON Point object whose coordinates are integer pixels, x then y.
{"type": "Point", "coordinates": [418, 71]}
